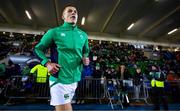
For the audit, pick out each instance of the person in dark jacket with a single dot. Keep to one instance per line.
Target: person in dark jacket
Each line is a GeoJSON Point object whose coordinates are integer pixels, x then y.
{"type": "Point", "coordinates": [124, 81]}
{"type": "Point", "coordinates": [138, 82]}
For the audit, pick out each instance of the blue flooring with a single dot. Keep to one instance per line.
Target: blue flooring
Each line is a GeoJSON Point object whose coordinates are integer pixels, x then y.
{"type": "Point", "coordinates": [77, 107]}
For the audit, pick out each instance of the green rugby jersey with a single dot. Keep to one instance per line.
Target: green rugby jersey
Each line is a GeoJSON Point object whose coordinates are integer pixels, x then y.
{"type": "Point", "coordinates": [68, 45]}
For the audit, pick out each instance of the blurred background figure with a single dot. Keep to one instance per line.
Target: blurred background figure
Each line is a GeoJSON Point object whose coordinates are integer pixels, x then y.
{"type": "Point", "coordinates": [157, 83]}
{"type": "Point", "coordinates": [138, 82]}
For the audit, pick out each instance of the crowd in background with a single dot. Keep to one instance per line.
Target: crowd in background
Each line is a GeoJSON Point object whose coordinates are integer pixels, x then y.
{"type": "Point", "coordinates": [109, 60]}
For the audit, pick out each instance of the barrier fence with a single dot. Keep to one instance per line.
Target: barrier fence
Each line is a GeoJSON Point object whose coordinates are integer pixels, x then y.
{"type": "Point", "coordinates": [27, 87]}
{"type": "Point", "coordinates": [119, 91]}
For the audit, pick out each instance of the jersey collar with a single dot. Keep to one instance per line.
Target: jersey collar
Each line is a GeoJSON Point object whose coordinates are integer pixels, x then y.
{"type": "Point", "coordinates": [69, 26]}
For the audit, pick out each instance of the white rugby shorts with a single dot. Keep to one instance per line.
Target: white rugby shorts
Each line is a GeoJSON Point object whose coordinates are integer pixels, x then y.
{"type": "Point", "coordinates": [61, 93]}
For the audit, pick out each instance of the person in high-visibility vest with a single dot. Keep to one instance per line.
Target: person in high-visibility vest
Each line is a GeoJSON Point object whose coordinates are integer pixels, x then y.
{"type": "Point", "coordinates": [41, 73]}
{"type": "Point", "coordinates": [157, 83]}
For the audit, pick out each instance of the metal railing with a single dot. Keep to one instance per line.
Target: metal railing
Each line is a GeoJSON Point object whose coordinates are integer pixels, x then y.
{"type": "Point", "coordinates": [88, 88]}
{"type": "Point", "coordinates": [27, 87]}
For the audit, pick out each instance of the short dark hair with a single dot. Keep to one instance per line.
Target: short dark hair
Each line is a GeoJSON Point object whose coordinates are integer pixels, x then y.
{"type": "Point", "coordinates": [156, 66]}
{"type": "Point", "coordinates": [68, 5]}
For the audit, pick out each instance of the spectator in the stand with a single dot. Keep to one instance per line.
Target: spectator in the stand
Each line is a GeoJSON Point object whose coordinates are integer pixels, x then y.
{"type": "Point", "coordinates": [12, 69]}
{"type": "Point", "coordinates": [171, 76]}
{"type": "Point", "coordinates": [2, 70]}
{"type": "Point", "coordinates": [138, 82]}
{"type": "Point", "coordinates": [172, 79]}
{"type": "Point", "coordinates": [157, 83]}
{"type": "Point", "coordinates": [132, 68]}
{"type": "Point", "coordinates": [84, 84]}
{"type": "Point", "coordinates": [124, 81]}
{"type": "Point", "coordinates": [35, 41]}
{"type": "Point", "coordinates": [87, 71]}
{"type": "Point", "coordinates": [97, 69]}
{"type": "Point", "coordinates": [26, 82]}
{"type": "Point", "coordinates": [123, 73]}
{"type": "Point", "coordinates": [178, 57]}
{"type": "Point", "coordinates": [110, 73]}
{"type": "Point", "coordinates": [3, 82]}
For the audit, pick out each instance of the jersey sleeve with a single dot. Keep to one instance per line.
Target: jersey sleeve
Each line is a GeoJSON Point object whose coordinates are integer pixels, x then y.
{"type": "Point", "coordinates": [86, 48]}
{"type": "Point", "coordinates": [41, 47]}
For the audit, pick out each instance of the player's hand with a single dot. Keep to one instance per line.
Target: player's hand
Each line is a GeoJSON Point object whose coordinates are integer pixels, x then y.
{"type": "Point", "coordinates": [52, 67]}
{"type": "Point", "coordinates": [86, 61]}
